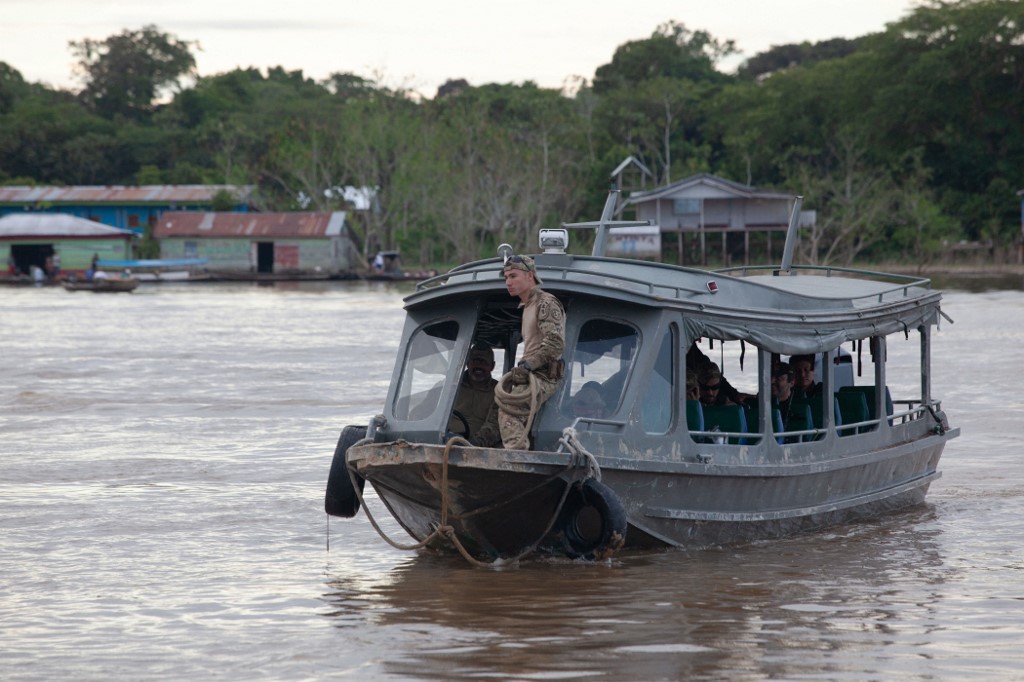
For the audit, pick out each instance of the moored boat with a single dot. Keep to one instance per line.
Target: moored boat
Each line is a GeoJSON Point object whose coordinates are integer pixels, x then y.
{"type": "Point", "coordinates": [386, 266]}
{"type": "Point", "coordinates": [284, 276]}
{"type": "Point", "coordinates": [652, 467]}
{"type": "Point", "coordinates": [161, 269]}
{"type": "Point", "coordinates": [109, 285]}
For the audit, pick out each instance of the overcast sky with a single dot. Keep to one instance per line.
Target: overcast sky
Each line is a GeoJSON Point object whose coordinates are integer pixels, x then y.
{"type": "Point", "coordinates": [415, 43]}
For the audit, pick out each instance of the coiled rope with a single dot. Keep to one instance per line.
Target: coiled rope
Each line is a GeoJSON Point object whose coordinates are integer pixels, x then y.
{"type": "Point", "coordinates": [521, 404]}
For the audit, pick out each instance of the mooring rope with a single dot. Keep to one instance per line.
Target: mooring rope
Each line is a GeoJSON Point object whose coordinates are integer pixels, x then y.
{"type": "Point", "coordinates": [571, 440]}
{"type": "Point", "coordinates": [941, 425]}
{"type": "Point", "coordinates": [580, 460]}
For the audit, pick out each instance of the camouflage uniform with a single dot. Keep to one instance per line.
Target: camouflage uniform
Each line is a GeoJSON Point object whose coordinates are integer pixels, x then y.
{"type": "Point", "coordinates": [543, 344]}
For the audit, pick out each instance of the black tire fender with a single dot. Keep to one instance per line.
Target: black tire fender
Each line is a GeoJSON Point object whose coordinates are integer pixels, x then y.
{"type": "Point", "coordinates": [593, 522]}
{"type": "Point", "coordinates": [341, 499]}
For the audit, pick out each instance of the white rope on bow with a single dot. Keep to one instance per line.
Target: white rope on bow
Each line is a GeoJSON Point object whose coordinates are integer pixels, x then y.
{"type": "Point", "coordinates": [571, 442]}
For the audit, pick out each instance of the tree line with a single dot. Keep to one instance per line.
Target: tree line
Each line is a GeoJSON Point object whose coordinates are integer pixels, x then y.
{"type": "Point", "coordinates": [900, 140]}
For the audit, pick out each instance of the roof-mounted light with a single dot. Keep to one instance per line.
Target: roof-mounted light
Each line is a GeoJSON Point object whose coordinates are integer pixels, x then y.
{"type": "Point", "coordinates": [554, 240]}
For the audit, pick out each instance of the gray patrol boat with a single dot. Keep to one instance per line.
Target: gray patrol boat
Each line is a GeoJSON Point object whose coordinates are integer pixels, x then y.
{"type": "Point", "coordinates": [648, 465]}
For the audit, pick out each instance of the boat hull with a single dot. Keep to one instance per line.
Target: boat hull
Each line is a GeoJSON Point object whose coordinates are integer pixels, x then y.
{"type": "Point", "coordinates": [502, 502]}
{"type": "Point", "coordinates": [730, 509]}
{"type": "Point", "coordinates": [497, 506]}
{"type": "Point", "coordinates": [105, 286]}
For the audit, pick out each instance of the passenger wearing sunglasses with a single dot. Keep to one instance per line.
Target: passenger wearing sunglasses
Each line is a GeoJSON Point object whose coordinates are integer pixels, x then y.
{"type": "Point", "coordinates": [697, 362]}
{"type": "Point", "coordinates": [540, 364]}
{"type": "Point", "coordinates": [712, 386]}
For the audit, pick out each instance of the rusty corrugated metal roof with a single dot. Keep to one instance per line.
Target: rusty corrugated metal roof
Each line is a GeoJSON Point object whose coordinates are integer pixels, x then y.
{"type": "Point", "coordinates": [250, 225]}
{"type": "Point", "coordinates": [120, 194]}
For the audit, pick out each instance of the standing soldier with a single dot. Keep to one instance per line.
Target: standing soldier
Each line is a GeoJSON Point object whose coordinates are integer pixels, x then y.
{"type": "Point", "coordinates": [540, 366]}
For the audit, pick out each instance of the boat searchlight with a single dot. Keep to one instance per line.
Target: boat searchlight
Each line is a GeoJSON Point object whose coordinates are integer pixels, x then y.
{"type": "Point", "coordinates": [554, 240]}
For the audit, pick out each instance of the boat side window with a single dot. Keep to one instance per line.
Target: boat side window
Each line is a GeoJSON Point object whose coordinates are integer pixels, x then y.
{"type": "Point", "coordinates": [659, 401]}
{"type": "Point", "coordinates": [429, 356]}
{"type": "Point", "coordinates": [601, 361]}
{"type": "Point", "coordinates": [807, 409]}
{"type": "Point", "coordinates": [724, 395]}
{"type": "Point", "coordinates": [904, 372]}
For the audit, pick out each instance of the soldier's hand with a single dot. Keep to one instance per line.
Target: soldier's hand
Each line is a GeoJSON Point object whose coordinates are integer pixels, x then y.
{"type": "Point", "coordinates": [520, 376]}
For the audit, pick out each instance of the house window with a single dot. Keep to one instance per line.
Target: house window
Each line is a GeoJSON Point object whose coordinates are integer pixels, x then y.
{"type": "Point", "coordinates": [685, 206]}
{"type": "Point", "coordinates": [191, 249]}
{"type": "Point", "coordinates": [133, 220]}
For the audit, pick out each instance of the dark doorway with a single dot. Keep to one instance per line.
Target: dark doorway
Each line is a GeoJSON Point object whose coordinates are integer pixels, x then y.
{"type": "Point", "coordinates": [27, 255]}
{"type": "Point", "coordinates": [264, 256]}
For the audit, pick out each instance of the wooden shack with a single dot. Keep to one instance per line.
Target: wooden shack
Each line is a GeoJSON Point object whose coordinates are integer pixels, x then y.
{"type": "Point", "coordinates": [261, 245]}
{"type": "Point", "coordinates": [713, 216]}
{"type": "Point", "coordinates": [41, 240]}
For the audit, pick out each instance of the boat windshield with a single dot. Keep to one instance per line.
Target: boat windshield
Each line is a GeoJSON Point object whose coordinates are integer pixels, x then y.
{"type": "Point", "coordinates": [601, 362]}
{"type": "Point", "coordinates": [431, 351]}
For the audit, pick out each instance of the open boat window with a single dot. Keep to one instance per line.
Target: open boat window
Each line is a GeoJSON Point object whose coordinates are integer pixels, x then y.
{"type": "Point", "coordinates": [431, 352]}
{"type": "Point", "coordinates": [601, 362]}
{"type": "Point", "coordinates": [886, 378]}
{"type": "Point", "coordinates": [866, 385]}
{"type": "Point", "coordinates": [722, 392]}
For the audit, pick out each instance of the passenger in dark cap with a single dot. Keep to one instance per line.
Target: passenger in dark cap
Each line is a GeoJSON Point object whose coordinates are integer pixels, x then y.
{"type": "Point", "coordinates": [782, 392]}
{"type": "Point", "coordinates": [475, 400]}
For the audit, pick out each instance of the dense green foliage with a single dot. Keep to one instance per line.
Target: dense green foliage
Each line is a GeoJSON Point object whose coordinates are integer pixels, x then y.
{"type": "Point", "coordinates": [899, 140]}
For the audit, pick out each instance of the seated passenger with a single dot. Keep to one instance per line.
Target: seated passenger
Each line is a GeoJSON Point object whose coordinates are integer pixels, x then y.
{"type": "Point", "coordinates": [611, 389]}
{"type": "Point", "coordinates": [475, 400]}
{"type": "Point", "coordinates": [587, 402]}
{"type": "Point", "coordinates": [697, 362]}
{"type": "Point", "coordinates": [692, 386]}
{"type": "Point", "coordinates": [782, 392]}
{"type": "Point", "coordinates": [712, 385]}
{"type": "Point", "coordinates": [803, 372]}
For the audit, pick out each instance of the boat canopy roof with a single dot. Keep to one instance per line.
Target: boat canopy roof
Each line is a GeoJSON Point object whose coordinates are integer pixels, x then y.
{"type": "Point", "coordinates": [807, 310]}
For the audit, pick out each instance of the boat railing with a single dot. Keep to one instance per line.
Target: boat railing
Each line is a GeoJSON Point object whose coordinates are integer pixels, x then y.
{"type": "Point", "coordinates": [679, 291]}
{"type": "Point", "coordinates": [563, 274]}
{"type": "Point", "coordinates": [567, 274]}
{"type": "Point", "coordinates": [722, 437]}
{"type": "Point", "coordinates": [902, 283]}
{"type": "Point", "coordinates": [805, 435]}
{"type": "Point", "coordinates": [577, 421]}
{"type": "Point", "coordinates": [802, 434]}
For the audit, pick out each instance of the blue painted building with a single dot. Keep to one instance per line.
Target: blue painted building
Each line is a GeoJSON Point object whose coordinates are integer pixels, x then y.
{"type": "Point", "coordinates": [126, 207]}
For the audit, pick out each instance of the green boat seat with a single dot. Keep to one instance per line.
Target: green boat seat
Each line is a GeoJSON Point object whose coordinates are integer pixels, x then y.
{"type": "Point", "coordinates": [729, 418]}
{"type": "Point", "coordinates": [853, 407]}
{"type": "Point", "coordinates": [801, 418]}
{"type": "Point", "coordinates": [754, 420]}
{"type": "Point", "coordinates": [817, 416]}
{"type": "Point", "coordinates": [869, 396]}
{"type": "Point", "coordinates": [694, 415]}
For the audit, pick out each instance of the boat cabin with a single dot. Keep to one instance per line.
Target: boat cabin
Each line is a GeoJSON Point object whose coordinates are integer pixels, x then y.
{"type": "Point", "coordinates": [636, 332]}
